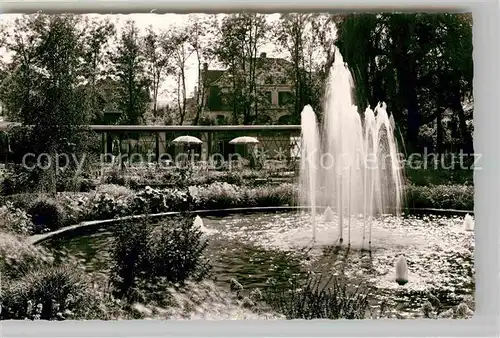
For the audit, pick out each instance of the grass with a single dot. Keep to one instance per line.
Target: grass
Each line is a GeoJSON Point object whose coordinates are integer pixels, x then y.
{"type": "Point", "coordinates": [317, 298]}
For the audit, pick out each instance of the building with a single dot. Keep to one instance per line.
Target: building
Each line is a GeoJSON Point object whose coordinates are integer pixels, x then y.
{"type": "Point", "coordinates": [274, 86]}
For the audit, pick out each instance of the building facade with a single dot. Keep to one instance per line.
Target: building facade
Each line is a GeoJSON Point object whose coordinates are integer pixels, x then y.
{"type": "Point", "coordinates": [273, 86]}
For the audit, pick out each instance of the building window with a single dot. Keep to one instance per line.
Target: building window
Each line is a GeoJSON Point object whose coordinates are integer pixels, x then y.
{"type": "Point", "coordinates": [220, 119]}
{"type": "Point", "coordinates": [214, 101]}
{"type": "Point", "coordinates": [285, 98]}
{"type": "Point", "coordinates": [269, 97]}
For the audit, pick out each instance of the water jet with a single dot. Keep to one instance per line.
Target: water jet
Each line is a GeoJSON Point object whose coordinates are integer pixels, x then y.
{"type": "Point", "coordinates": [365, 177]}
{"type": "Point", "coordinates": [401, 271]}
{"type": "Point", "coordinates": [468, 223]}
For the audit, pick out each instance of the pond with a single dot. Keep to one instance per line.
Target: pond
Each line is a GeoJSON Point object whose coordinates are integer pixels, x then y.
{"type": "Point", "coordinates": [255, 248]}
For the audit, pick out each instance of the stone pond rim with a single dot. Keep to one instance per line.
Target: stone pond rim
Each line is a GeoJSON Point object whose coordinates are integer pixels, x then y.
{"type": "Point", "coordinates": [91, 226]}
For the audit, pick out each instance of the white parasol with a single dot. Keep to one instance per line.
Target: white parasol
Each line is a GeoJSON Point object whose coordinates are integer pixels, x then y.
{"type": "Point", "coordinates": [244, 140]}
{"type": "Point", "coordinates": [187, 140]}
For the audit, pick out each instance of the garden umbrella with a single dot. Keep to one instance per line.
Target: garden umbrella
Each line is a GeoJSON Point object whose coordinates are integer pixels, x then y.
{"type": "Point", "coordinates": [186, 139]}
{"type": "Point", "coordinates": [245, 140]}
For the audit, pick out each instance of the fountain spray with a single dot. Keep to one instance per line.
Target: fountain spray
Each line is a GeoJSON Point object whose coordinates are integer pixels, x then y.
{"type": "Point", "coordinates": [374, 189]}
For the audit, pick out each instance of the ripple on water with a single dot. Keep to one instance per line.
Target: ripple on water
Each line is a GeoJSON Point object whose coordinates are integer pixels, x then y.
{"type": "Point", "coordinates": [439, 252]}
{"type": "Point", "coordinates": [256, 247]}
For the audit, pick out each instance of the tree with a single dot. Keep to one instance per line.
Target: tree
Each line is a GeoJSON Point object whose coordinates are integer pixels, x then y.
{"type": "Point", "coordinates": [420, 64]}
{"type": "Point", "coordinates": [158, 50]}
{"type": "Point", "coordinates": [201, 41]}
{"type": "Point", "coordinates": [129, 68]}
{"type": "Point", "coordinates": [97, 34]}
{"type": "Point", "coordinates": [180, 56]}
{"type": "Point", "coordinates": [240, 38]}
{"type": "Point", "coordinates": [45, 91]}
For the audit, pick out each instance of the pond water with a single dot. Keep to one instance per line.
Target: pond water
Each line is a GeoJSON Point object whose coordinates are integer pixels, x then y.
{"type": "Point", "coordinates": [257, 247]}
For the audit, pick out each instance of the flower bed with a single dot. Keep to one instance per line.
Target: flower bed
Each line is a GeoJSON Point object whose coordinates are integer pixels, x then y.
{"type": "Point", "coordinates": [35, 214]}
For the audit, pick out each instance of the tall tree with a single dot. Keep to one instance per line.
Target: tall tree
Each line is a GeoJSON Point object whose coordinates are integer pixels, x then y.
{"type": "Point", "coordinates": [180, 56]}
{"type": "Point", "coordinates": [420, 64]}
{"type": "Point", "coordinates": [241, 36]}
{"type": "Point", "coordinates": [129, 68]}
{"type": "Point", "coordinates": [45, 91]}
{"type": "Point", "coordinates": [97, 34]}
{"type": "Point", "coordinates": [158, 51]}
{"type": "Point", "coordinates": [201, 42]}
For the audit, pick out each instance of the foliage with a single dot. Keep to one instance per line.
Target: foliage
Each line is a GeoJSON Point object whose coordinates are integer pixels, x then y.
{"type": "Point", "coordinates": [319, 299]}
{"type": "Point", "coordinates": [17, 180]}
{"type": "Point", "coordinates": [18, 256]}
{"type": "Point", "coordinates": [146, 254]}
{"type": "Point", "coordinates": [240, 38]}
{"type": "Point", "coordinates": [46, 214]}
{"type": "Point", "coordinates": [105, 206]}
{"type": "Point", "coordinates": [15, 220]}
{"type": "Point", "coordinates": [431, 176]}
{"type": "Point", "coordinates": [129, 67]}
{"type": "Point", "coordinates": [420, 64]}
{"type": "Point", "coordinates": [45, 92]}
{"type": "Point", "coordinates": [49, 293]}
{"type": "Point", "coordinates": [460, 197]}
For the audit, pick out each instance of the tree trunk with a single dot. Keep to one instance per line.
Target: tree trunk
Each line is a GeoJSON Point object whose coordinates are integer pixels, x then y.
{"type": "Point", "coordinates": [439, 130]}
{"type": "Point", "coordinates": [407, 80]}
{"type": "Point", "coordinates": [467, 142]}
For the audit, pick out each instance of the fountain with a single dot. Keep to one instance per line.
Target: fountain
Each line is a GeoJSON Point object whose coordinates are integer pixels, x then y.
{"type": "Point", "coordinates": [328, 215]}
{"type": "Point", "coordinates": [401, 271]}
{"type": "Point", "coordinates": [350, 164]}
{"type": "Point", "coordinates": [468, 223]}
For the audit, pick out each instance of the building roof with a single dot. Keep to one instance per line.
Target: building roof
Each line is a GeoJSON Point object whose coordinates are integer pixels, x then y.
{"type": "Point", "coordinates": [213, 75]}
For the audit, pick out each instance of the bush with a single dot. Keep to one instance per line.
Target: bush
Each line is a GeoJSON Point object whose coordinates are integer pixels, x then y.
{"type": "Point", "coordinates": [459, 197]}
{"type": "Point", "coordinates": [114, 176]}
{"type": "Point", "coordinates": [36, 286]}
{"type": "Point", "coordinates": [47, 214]}
{"type": "Point", "coordinates": [217, 195]}
{"type": "Point", "coordinates": [15, 220]}
{"type": "Point", "coordinates": [18, 256]}
{"type": "Point", "coordinates": [114, 190]}
{"type": "Point", "coordinates": [284, 194]}
{"type": "Point", "coordinates": [148, 254]}
{"type": "Point", "coordinates": [316, 299]}
{"type": "Point", "coordinates": [49, 293]}
{"type": "Point", "coordinates": [17, 180]}
{"type": "Point", "coordinates": [105, 206]}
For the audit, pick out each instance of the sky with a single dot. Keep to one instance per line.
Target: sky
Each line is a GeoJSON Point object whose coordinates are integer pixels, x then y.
{"type": "Point", "coordinates": [158, 22]}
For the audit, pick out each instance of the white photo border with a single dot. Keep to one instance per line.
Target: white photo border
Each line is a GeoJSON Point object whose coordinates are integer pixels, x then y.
{"type": "Point", "coordinates": [486, 182]}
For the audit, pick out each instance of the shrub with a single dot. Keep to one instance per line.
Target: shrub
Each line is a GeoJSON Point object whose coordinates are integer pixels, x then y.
{"type": "Point", "coordinates": [273, 196]}
{"type": "Point", "coordinates": [18, 180]}
{"type": "Point", "coordinates": [114, 190]}
{"type": "Point", "coordinates": [146, 254]}
{"type": "Point", "coordinates": [15, 220]}
{"type": "Point", "coordinates": [440, 196]}
{"type": "Point", "coordinates": [217, 195]}
{"type": "Point", "coordinates": [46, 214]}
{"type": "Point", "coordinates": [105, 206]}
{"type": "Point", "coordinates": [177, 250]}
{"type": "Point", "coordinates": [149, 200]}
{"type": "Point", "coordinates": [316, 299]}
{"type": "Point", "coordinates": [18, 256]}
{"type": "Point", "coordinates": [49, 293]}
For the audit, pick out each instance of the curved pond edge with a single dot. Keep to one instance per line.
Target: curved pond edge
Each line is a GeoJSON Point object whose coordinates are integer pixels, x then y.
{"type": "Point", "coordinates": [92, 226]}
